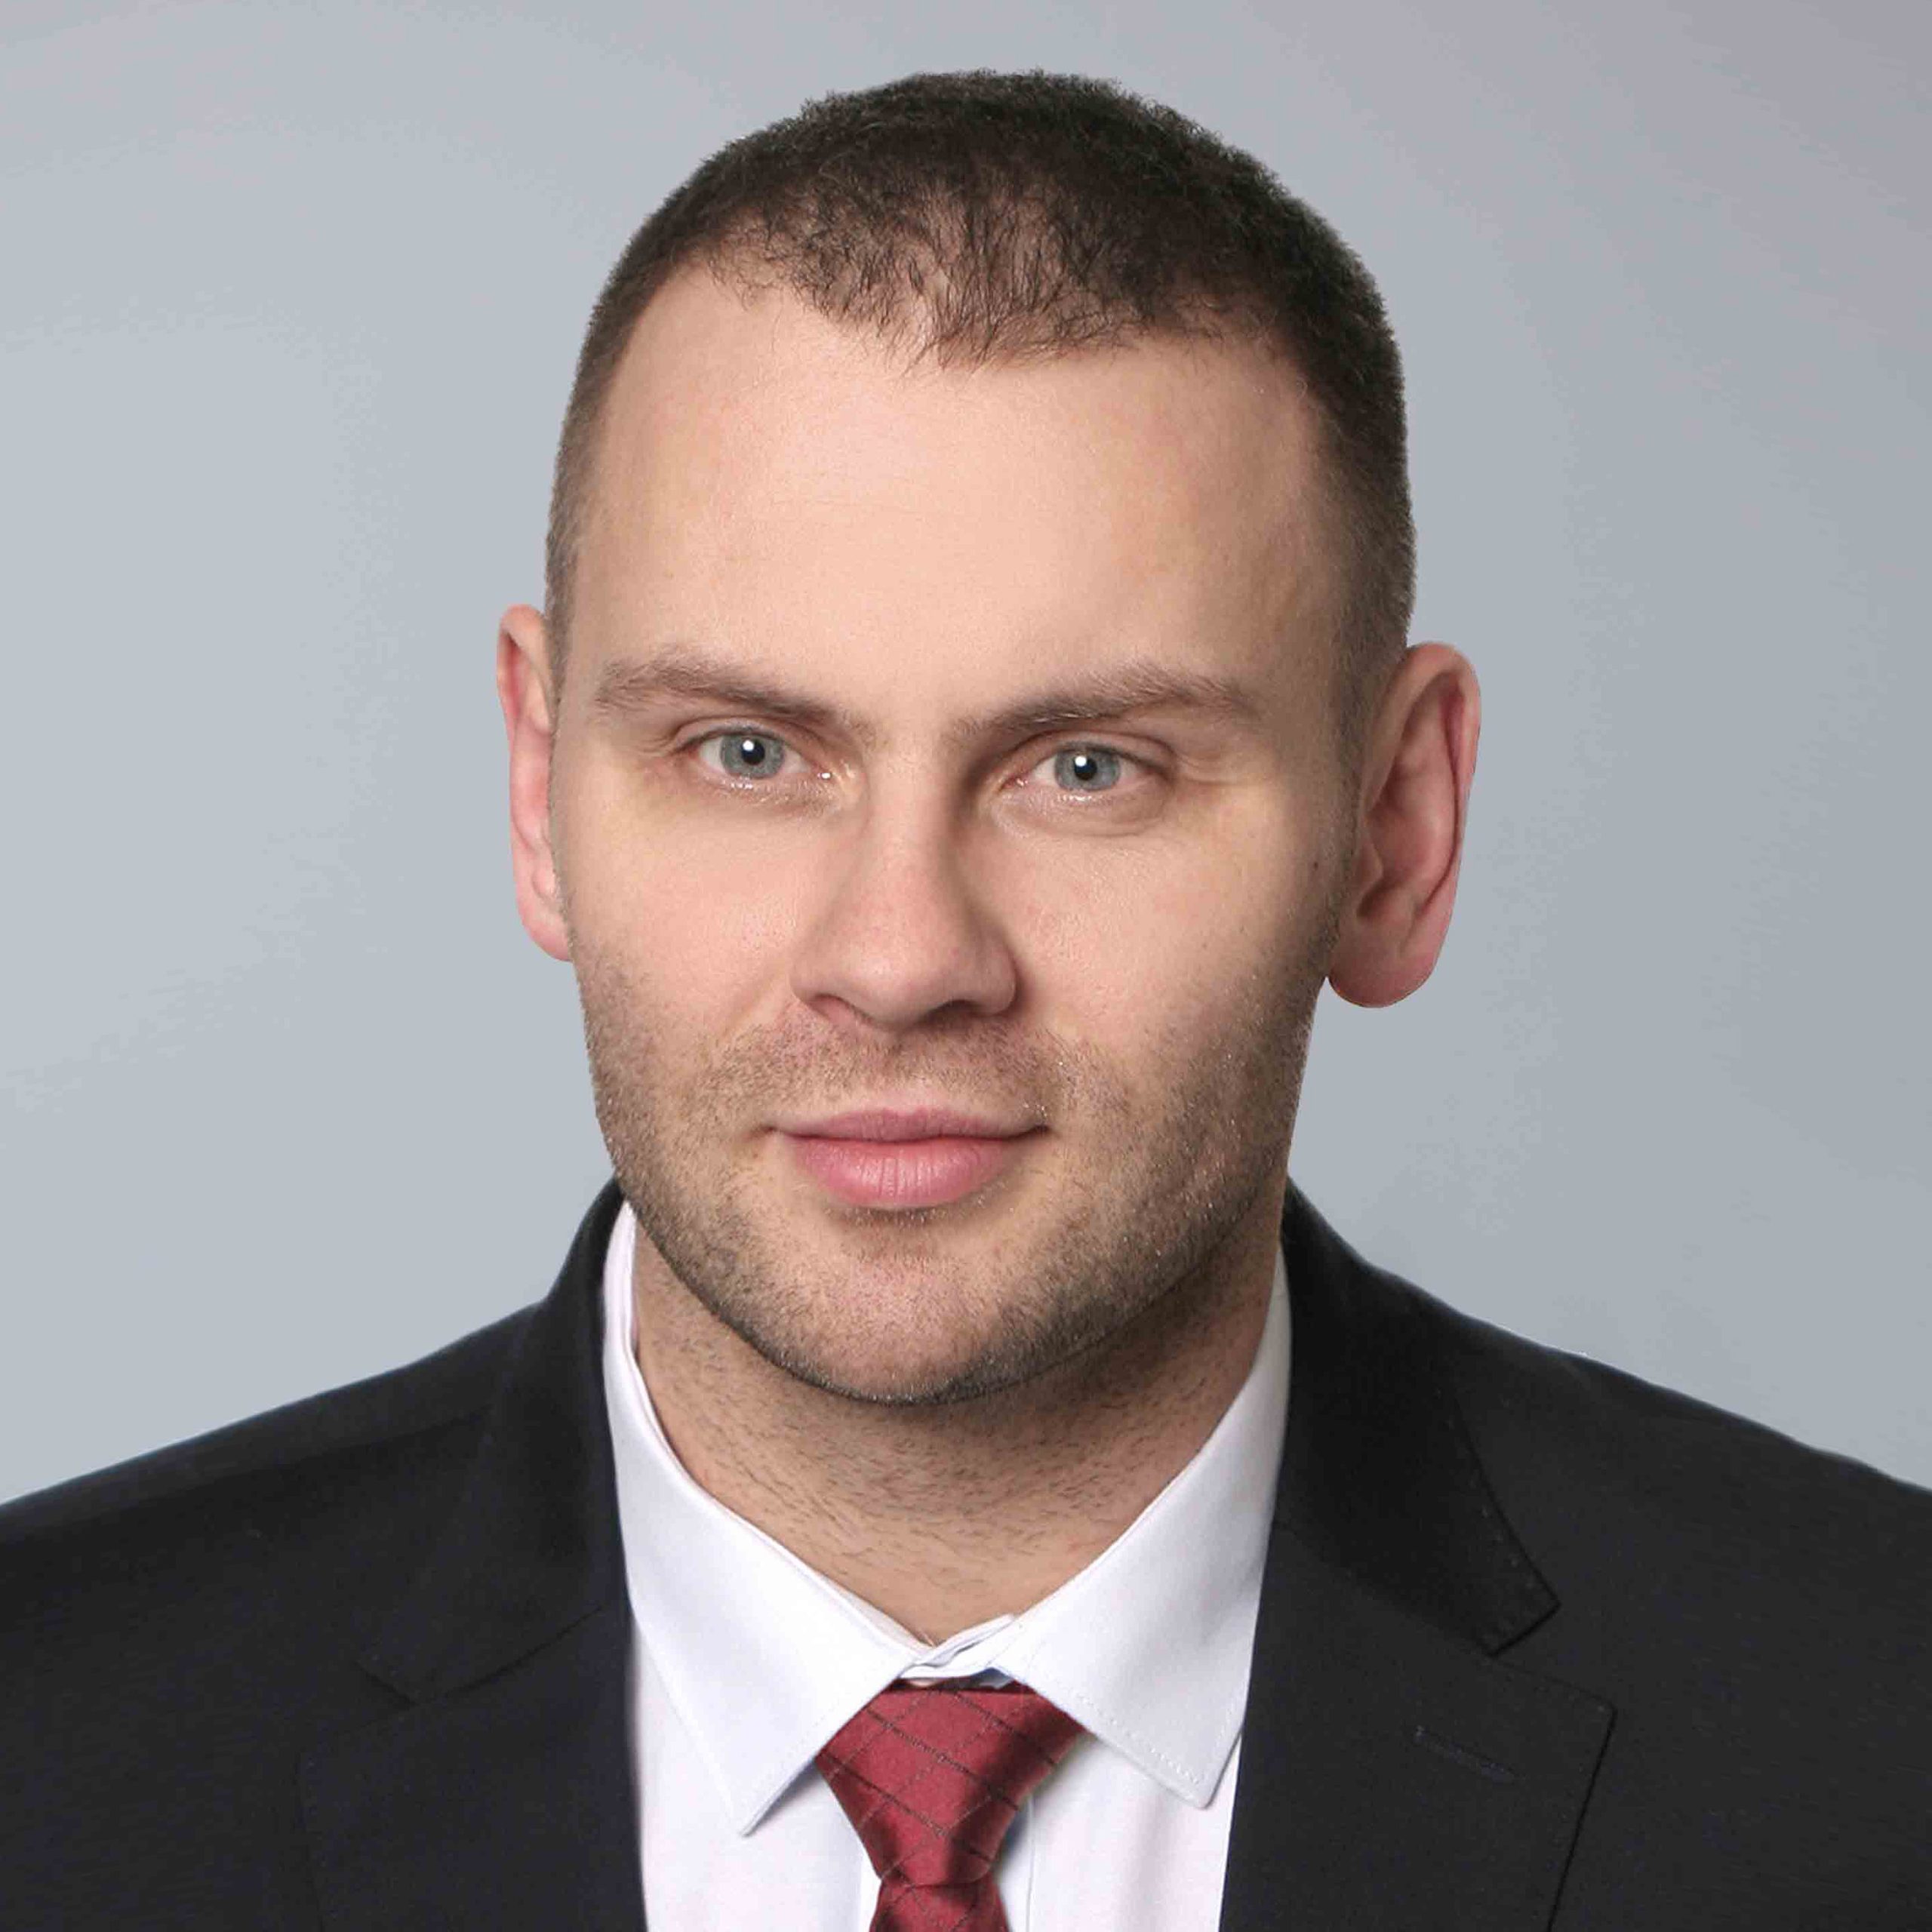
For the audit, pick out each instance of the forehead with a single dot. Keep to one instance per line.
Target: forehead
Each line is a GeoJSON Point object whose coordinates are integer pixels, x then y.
{"type": "Point", "coordinates": [762, 470]}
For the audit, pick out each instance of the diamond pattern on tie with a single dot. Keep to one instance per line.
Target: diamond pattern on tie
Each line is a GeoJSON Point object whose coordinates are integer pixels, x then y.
{"type": "Point", "coordinates": [932, 1775]}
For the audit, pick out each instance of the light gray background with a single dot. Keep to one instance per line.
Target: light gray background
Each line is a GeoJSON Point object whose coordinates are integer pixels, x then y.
{"type": "Point", "coordinates": [290, 302]}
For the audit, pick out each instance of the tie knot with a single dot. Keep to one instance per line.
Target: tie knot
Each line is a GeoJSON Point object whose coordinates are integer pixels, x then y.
{"type": "Point", "coordinates": [932, 1774]}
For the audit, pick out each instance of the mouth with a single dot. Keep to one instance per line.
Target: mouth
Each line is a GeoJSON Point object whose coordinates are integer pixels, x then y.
{"type": "Point", "coordinates": [928, 1171]}
{"type": "Point", "coordinates": [910, 1123]}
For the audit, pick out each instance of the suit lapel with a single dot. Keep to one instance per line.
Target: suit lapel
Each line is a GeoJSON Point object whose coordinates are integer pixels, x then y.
{"type": "Point", "coordinates": [500, 1795]}
{"type": "Point", "coordinates": [1394, 1772]}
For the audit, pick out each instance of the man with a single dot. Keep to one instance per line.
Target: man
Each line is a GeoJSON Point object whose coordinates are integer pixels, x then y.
{"type": "Point", "coordinates": [957, 1479]}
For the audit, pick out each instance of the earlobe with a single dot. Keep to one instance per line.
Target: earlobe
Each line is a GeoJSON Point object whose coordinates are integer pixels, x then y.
{"type": "Point", "coordinates": [1396, 917]}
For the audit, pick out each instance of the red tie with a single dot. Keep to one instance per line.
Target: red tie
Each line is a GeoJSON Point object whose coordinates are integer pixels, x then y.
{"type": "Point", "coordinates": [932, 1775]}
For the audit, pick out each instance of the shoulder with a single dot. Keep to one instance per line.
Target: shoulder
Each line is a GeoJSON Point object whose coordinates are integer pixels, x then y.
{"type": "Point", "coordinates": [1665, 1521]}
{"type": "Point", "coordinates": [1751, 1606]}
{"type": "Point", "coordinates": [247, 1477]}
{"type": "Point", "coordinates": [1694, 1467]}
{"type": "Point", "coordinates": [175, 1629]}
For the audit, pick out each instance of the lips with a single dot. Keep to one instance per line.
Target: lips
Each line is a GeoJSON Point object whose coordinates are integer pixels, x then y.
{"type": "Point", "coordinates": [925, 1173]}
{"type": "Point", "coordinates": [919, 1123]}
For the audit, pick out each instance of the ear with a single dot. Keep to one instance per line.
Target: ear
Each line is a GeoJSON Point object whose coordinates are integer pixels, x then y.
{"type": "Point", "coordinates": [1410, 820]}
{"type": "Point", "coordinates": [523, 688]}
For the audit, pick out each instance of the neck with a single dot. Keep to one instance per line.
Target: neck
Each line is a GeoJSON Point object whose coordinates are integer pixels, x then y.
{"type": "Point", "coordinates": [945, 1516]}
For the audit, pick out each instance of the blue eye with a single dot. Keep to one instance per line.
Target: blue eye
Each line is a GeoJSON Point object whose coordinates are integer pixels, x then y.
{"type": "Point", "coordinates": [1092, 755]}
{"type": "Point", "coordinates": [753, 758]}
{"type": "Point", "coordinates": [746, 745]}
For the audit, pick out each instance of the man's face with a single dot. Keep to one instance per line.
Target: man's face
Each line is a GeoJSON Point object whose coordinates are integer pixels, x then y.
{"type": "Point", "coordinates": [1113, 933]}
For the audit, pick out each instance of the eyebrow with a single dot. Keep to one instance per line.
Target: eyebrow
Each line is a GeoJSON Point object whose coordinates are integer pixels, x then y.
{"type": "Point", "coordinates": [628, 685]}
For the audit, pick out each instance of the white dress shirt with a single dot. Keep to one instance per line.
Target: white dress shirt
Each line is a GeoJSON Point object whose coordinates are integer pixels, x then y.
{"type": "Point", "coordinates": [746, 1660]}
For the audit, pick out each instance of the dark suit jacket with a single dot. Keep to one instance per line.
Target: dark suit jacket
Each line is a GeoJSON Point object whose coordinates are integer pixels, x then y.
{"type": "Point", "coordinates": [1540, 1644]}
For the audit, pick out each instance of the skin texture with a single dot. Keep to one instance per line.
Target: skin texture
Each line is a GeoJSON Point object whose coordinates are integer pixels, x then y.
{"type": "Point", "coordinates": [951, 1409]}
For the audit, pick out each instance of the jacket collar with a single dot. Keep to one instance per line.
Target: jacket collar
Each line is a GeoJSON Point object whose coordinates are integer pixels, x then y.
{"type": "Point", "coordinates": [1394, 1771]}
{"type": "Point", "coordinates": [500, 1796]}
{"type": "Point", "coordinates": [532, 1546]}
{"type": "Point", "coordinates": [1379, 1478]}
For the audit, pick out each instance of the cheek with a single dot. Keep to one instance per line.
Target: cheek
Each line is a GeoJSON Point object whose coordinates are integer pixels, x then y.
{"type": "Point", "coordinates": [1178, 972]}
{"type": "Point", "coordinates": [1201, 917]}
{"type": "Point", "coordinates": [1173, 971]}
{"type": "Point", "coordinates": [693, 940]}
{"type": "Point", "coordinates": [655, 883]}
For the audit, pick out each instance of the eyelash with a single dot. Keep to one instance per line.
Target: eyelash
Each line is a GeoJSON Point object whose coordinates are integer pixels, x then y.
{"type": "Point", "coordinates": [726, 782]}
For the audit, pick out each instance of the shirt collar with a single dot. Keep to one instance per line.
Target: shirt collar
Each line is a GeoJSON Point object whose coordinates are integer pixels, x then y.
{"type": "Point", "coordinates": [763, 1658]}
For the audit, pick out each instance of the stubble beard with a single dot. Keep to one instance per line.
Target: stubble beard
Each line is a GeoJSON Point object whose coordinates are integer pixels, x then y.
{"type": "Point", "coordinates": [1130, 1228]}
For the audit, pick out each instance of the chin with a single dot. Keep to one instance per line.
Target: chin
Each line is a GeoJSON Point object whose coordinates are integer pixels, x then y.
{"type": "Point", "coordinates": [917, 1375]}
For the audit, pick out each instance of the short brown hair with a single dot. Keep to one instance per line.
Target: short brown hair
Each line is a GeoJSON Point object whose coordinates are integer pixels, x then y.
{"type": "Point", "coordinates": [1013, 216]}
